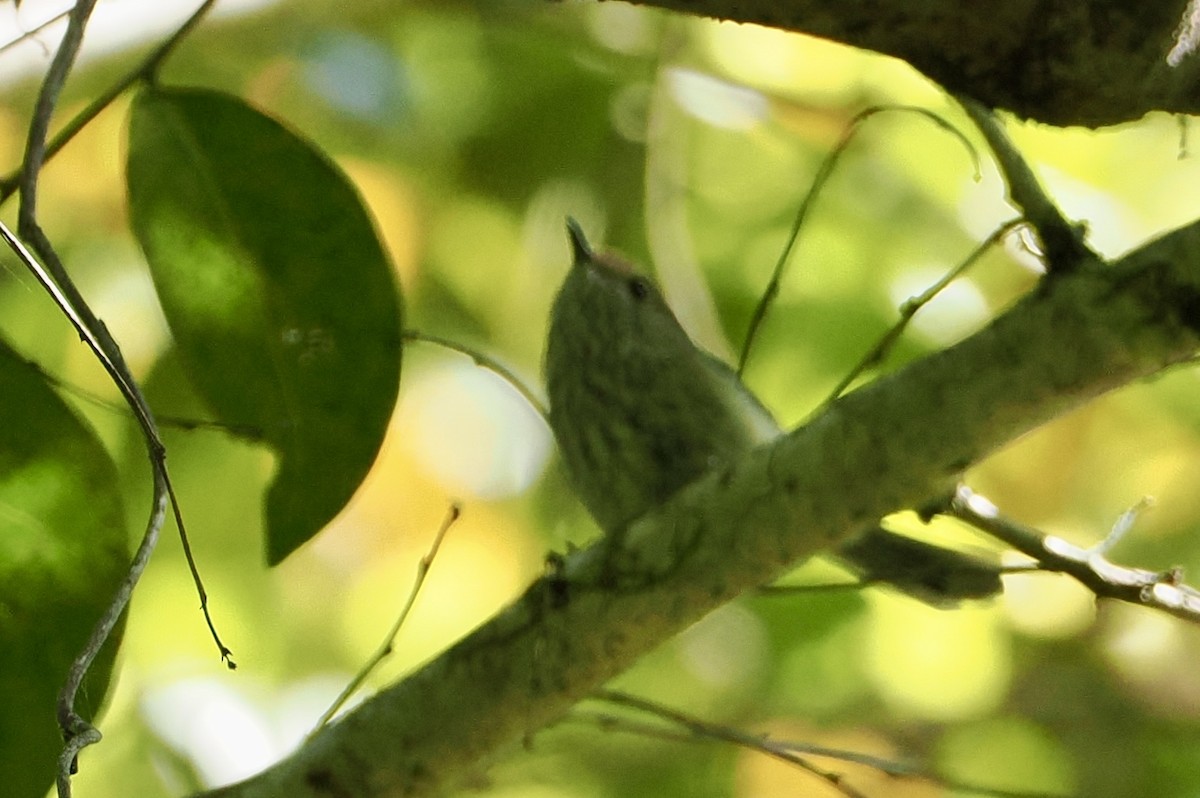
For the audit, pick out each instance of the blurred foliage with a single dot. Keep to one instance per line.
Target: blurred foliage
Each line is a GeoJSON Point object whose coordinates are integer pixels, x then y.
{"type": "Point", "coordinates": [472, 129]}
{"type": "Point", "coordinates": [62, 554]}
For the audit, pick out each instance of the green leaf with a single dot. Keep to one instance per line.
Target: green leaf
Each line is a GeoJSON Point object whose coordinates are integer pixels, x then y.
{"type": "Point", "coordinates": [63, 550]}
{"type": "Point", "coordinates": [282, 302]}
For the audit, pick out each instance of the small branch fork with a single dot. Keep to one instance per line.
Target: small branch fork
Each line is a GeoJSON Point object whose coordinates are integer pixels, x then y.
{"type": "Point", "coordinates": [34, 249]}
{"type": "Point", "coordinates": [1064, 250]}
{"type": "Point", "coordinates": [1159, 590]}
{"type": "Point", "coordinates": [10, 183]}
{"type": "Point", "coordinates": [1061, 241]}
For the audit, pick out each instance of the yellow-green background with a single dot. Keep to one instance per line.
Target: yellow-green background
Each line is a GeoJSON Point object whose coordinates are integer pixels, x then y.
{"type": "Point", "coordinates": [472, 129]}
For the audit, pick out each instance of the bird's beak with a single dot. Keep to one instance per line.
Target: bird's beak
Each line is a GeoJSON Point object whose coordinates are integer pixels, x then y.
{"type": "Point", "coordinates": [579, 246]}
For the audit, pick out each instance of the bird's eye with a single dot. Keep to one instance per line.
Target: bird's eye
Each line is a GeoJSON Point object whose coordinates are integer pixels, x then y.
{"type": "Point", "coordinates": [638, 288]}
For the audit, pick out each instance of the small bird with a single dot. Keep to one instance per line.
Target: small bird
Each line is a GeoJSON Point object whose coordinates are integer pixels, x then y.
{"type": "Point", "coordinates": [639, 411]}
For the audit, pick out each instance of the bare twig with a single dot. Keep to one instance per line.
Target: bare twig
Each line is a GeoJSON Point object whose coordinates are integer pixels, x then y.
{"type": "Point", "coordinates": [1159, 590]}
{"type": "Point", "coordinates": [389, 640]}
{"type": "Point", "coordinates": [12, 182]}
{"type": "Point", "coordinates": [245, 431]}
{"type": "Point", "coordinates": [29, 34]}
{"type": "Point", "coordinates": [819, 181]}
{"type": "Point", "coordinates": [909, 309]}
{"type": "Point", "coordinates": [699, 728]}
{"type": "Point", "coordinates": [484, 361]}
{"type": "Point", "coordinates": [78, 732]}
{"type": "Point", "coordinates": [790, 751]}
{"type": "Point", "coordinates": [1061, 241]}
{"type": "Point", "coordinates": [53, 277]}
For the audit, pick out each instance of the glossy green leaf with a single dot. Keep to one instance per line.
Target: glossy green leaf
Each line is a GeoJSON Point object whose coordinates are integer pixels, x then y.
{"type": "Point", "coordinates": [277, 290]}
{"type": "Point", "coordinates": [63, 549]}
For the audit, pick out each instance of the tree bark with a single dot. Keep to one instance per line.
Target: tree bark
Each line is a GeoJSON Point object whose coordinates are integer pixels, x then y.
{"type": "Point", "coordinates": [1064, 62]}
{"type": "Point", "coordinates": [893, 444]}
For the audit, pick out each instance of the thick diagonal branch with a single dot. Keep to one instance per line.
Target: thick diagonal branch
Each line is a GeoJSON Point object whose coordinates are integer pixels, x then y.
{"type": "Point", "coordinates": [893, 444]}
{"type": "Point", "coordinates": [1084, 62]}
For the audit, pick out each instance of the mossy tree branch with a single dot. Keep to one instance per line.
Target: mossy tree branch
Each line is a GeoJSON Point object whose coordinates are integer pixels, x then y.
{"type": "Point", "coordinates": [893, 444]}
{"type": "Point", "coordinates": [1083, 62]}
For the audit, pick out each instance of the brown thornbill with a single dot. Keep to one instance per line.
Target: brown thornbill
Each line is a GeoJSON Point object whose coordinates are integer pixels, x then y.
{"type": "Point", "coordinates": [639, 411]}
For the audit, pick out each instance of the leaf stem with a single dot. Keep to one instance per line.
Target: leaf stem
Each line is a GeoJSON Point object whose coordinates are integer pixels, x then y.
{"type": "Point", "coordinates": [389, 640]}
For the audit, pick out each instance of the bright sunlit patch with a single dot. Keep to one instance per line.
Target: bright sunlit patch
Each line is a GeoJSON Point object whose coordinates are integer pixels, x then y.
{"type": "Point", "coordinates": [1048, 605]}
{"type": "Point", "coordinates": [725, 648]}
{"type": "Point", "coordinates": [225, 735]}
{"type": "Point", "coordinates": [116, 25]}
{"type": "Point", "coordinates": [773, 58]}
{"type": "Point", "coordinates": [622, 27]}
{"type": "Point", "coordinates": [126, 299]}
{"type": "Point", "coordinates": [1140, 642]}
{"type": "Point", "coordinates": [1153, 657]}
{"type": "Point", "coordinates": [231, 732]}
{"type": "Point", "coordinates": [936, 665]}
{"type": "Point", "coordinates": [956, 311]}
{"type": "Point", "coordinates": [301, 703]}
{"type": "Point", "coordinates": [479, 567]}
{"type": "Point", "coordinates": [474, 432]}
{"type": "Point", "coordinates": [1109, 224]}
{"type": "Point", "coordinates": [717, 102]}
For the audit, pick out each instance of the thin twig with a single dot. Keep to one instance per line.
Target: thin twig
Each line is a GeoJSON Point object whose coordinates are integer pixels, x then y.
{"type": "Point", "coordinates": [78, 733]}
{"type": "Point", "coordinates": [711, 731]}
{"type": "Point", "coordinates": [876, 353]}
{"type": "Point", "coordinates": [29, 34]}
{"type": "Point", "coordinates": [1160, 590]}
{"type": "Point", "coordinates": [389, 640]}
{"type": "Point", "coordinates": [146, 69]}
{"type": "Point", "coordinates": [244, 431]}
{"type": "Point", "coordinates": [1061, 241]}
{"type": "Point", "coordinates": [888, 766]}
{"type": "Point", "coordinates": [764, 744]}
{"type": "Point", "coordinates": [484, 361]}
{"type": "Point", "coordinates": [786, 750]}
{"type": "Point", "coordinates": [822, 177]}
{"type": "Point", "coordinates": [824, 588]}
{"type": "Point", "coordinates": [53, 277]}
